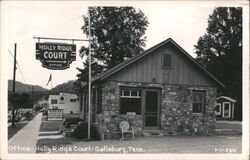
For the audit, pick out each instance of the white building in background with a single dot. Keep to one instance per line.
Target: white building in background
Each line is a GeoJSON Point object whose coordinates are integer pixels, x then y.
{"type": "Point", "coordinates": [69, 102]}
{"type": "Point", "coordinates": [42, 101]}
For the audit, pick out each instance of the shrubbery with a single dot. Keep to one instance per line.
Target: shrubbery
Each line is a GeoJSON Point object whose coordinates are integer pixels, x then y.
{"type": "Point", "coordinates": [72, 121]}
{"type": "Point", "coordinates": [81, 132]}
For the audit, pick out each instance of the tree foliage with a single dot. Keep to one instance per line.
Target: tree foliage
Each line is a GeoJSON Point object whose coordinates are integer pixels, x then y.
{"type": "Point", "coordinates": [23, 100]}
{"type": "Point", "coordinates": [17, 101]}
{"type": "Point", "coordinates": [219, 50]}
{"type": "Point", "coordinates": [117, 34]}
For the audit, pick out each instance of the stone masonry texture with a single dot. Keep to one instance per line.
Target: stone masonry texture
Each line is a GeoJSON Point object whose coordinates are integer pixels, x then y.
{"type": "Point", "coordinates": [176, 117]}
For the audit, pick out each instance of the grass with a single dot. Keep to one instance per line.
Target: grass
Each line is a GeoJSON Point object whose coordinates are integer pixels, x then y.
{"type": "Point", "coordinates": [168, 144]}
{"type": "Point", "coordinates": [228, 126]}
{"type": "Point", "coordinates": [18, 126]}
{"type": "Point", "coordinates": [47, 126]}
{"type": "Point", "coordinates": [47, 143]}
{"type": "Point", "coordinates": [54, 143]}
{"type": "Point", "coordinates": [13, 130]}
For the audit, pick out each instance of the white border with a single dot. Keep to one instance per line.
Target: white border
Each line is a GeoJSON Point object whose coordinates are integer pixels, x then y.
{"type": "Point", "coordinates": [245, 136]}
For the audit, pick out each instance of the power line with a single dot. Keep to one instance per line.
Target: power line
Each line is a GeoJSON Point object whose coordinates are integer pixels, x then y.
{"type": "Point", "coordinates": [10, 53]}
{"type": "Point", "coordinates": [19, 68]}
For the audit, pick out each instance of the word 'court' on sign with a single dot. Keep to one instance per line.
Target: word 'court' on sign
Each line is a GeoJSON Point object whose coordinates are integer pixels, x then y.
{"type": "Point", "coordinates": [55, 56]}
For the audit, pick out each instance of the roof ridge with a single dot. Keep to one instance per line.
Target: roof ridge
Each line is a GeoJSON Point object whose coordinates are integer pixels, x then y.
{"type": "Point", "coordinates": [133, 58]}
{"type": "Point", "coordinates": [148, 51]}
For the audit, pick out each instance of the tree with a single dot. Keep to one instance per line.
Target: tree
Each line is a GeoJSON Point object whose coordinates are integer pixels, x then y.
{"type": "Point", "coordinates": [219, 50]}
{"type": "Point", "coordinates": [17, 101]}
{"type": "Point", "coordinates": [117, 34]}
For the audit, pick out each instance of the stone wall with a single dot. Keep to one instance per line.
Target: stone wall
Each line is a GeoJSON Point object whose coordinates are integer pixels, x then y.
{"type": "Point", "coordinates": [108, 121]}
{"type": "Point", "coordinates": [176, 112]}
{"type": "Point", "coordinates": [109, 125]}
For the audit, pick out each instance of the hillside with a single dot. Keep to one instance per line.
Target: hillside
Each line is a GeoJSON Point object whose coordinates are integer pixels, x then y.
{"type": "Point", "coordinates": [70, 86]}
{"type": "Point", "coordinates": [22, 87]}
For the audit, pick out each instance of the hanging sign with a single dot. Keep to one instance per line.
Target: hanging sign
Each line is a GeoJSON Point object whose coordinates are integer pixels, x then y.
{"type": "Point", "coordinates": [55, 56]}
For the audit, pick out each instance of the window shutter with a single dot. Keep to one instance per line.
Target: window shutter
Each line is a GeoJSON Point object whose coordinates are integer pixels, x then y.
{"type": "Point", "coordinates": [167, 60]}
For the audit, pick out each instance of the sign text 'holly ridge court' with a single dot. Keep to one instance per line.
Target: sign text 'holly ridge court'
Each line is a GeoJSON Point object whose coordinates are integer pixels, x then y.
{"type": "Point", "coordinates": [55, 56]}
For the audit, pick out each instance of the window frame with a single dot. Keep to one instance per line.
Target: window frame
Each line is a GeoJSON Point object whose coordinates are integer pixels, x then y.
{"type": "Point", "coordinates": [229, 110]}
{"type": "Point", "coordinates": [138, 96]}
{"type": "Point", "coordinates": [73, 100]}
{"type": "Point", "coordinates": [171, 61]}
{"type": "Point", "coordinates": [130, 93]}
{"type": "Point", "coordinates": [203, 102]}
{"type": "Point", "coordinates": [218, 113]}
{"type": "Point", "coordinates": [52, 100]}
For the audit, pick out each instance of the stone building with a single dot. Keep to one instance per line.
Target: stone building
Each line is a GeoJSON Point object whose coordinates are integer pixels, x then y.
{"type": "Point", "coordinates": [225, 108]}
{"type": "Point", "coordinates": [160, 91]}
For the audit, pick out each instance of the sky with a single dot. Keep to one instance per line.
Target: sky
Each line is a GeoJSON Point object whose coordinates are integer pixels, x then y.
{"type": "Point", "coordinates": [183, 22]}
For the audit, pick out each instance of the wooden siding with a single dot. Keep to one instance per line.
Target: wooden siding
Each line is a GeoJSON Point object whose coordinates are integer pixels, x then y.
{"type": "Point", "coordinates": [182, 72]}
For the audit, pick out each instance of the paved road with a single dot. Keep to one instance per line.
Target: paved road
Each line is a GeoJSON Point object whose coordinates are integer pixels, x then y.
{"type": "Point", "coordinates": [25, 140]}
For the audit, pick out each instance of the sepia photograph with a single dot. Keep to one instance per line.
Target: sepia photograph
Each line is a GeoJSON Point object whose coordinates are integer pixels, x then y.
{"type": "Point", "coordinates": [124, 80]}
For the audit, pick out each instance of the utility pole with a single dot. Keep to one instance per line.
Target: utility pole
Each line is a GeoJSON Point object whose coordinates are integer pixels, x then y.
{"type": "Point", "coordinates": [14, 86]}
{"type": "Point", "coordinates": [89, 57]}
{"type": "Point", "coordinates": [14, 70]}
{"type": "Point", "coordinates": [32, 97]}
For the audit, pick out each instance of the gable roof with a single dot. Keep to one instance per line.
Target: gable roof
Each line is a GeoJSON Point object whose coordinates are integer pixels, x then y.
{"type": "Point", "coordinates": [228, 98]}
{"type": "Point", "coordinates": [120, 66]}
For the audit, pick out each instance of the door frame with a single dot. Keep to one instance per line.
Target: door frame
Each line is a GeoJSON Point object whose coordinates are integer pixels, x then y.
{"type": "Point", "coordinates": [218, 113]}
{"type": "Point", "coordinates": [144, 91]}
{"type": "Point", "coordinates": [229, 107]}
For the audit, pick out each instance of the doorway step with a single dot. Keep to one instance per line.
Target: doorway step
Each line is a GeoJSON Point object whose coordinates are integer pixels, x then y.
{"type": "Point", "coordinates": [152, 133]}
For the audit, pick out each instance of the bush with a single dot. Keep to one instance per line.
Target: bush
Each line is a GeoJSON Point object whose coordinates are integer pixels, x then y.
{"type": "Point", "coordinates": [45, 112]}
{"type": "Point", "coordinates": [72, 121]}
{"type": "Point", "coordinates": [28, 115]}
{"type": "Point", "coordinates": [81, 132]}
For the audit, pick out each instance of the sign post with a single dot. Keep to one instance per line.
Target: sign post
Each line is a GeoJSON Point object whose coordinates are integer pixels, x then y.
{"type": "Point", "coordinates": [89, 57]}
{"type": "Point", "coordinates": [55, 56]}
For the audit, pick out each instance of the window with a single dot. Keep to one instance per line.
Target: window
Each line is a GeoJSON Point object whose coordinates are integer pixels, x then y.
{"type": "Point", "coordinates": [218, 109]}
{"type": "Point", "coordinates": [167, 61]}
{"type": "Point", "coordinates": [198, 102]}
{"type": "Point", "coordinates": [54, 101]}
{"type": "Point", "coordinates": [62, 98]}
{"type": "Point", "coordinates": [226, 109]}
{"type": "Point", "coordinates": [130, 94]}
{"type": "Point", "coordinates": [73, 100]}
{"type": "Point", "coordinates": [130, 101]}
